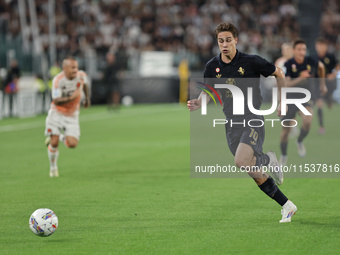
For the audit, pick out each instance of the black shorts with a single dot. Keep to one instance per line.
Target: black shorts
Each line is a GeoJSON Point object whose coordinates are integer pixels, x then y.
{"type": "Point", "coordinates": [292, 110]}
{"type": "Point", "coordinates": [331, 87]}
{"type": "Point", "coordinates": [253, 136]}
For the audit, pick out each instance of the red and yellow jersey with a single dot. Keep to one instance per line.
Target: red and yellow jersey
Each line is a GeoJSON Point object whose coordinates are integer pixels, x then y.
{"type": "Point", "coordinates": [63, 87]}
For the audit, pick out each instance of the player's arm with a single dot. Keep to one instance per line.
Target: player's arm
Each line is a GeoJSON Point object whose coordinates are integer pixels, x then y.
{"type": "Point", "coordinates": [64, 100]}
{"type": "Point", "coordinates": [87, 101]}
{"type": "Point", "coordinates": [57, 96]}
{"type": "Point", "coordinates": [331, 76]}
{"type": "Point", "coordinates": [293, 82]}
{"type": "Point", "coordinates": [280, 80]}
{"type": "Point", "coordinates": [322, 75]}
{"type": "Point", "coordinates": [84, 85]}
{"type": "Point", "coordinates": [195, 104]}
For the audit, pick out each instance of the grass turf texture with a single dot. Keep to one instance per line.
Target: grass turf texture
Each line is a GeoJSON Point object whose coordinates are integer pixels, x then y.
{"type": "Point", "coordinates": [126, 189]}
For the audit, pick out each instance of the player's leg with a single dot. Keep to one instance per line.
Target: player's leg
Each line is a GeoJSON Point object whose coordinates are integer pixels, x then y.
{"type": "Point", "coordinates": [316, 95]}
{"type": "Point", "coordinates": [244, 154]}
{"type": "Point", "coordinates": [53, 154]}
{"type": "Point", "coordinates": [294, 132]}
{"type": "Point", "coordinates": [306, 124]}
{"type": "Point", "coordinates": [319, 105]}
{"type": "Point", "coordinates": [285, 132]}
{"type": "Point", "coordinates": [329, 100]}
{"type": "Point", "coordinates": [245, 157]}
{"type": "Point", "coordinates": [72, 131]}
{"type": "Point", "coordinates": [68, 141]}
{"type": "Point", "coordinates": [254, 138]}
{"type": "Point", "coordinates": [52, 131]}
{"type": "Point", "coordinates": [331, 87]}
{"type": "Point", "coordinates": [71, 142]}
{"type": "Point", "coordinates": [116, 99]}
{"type": "Point", "coordinates": [284, 137]}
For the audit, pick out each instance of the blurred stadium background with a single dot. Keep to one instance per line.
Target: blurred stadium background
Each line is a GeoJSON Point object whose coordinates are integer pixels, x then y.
{"type": "Point", "coordinates": [150, 39]}
{"type": "Point", "coordinates": [126, 189]}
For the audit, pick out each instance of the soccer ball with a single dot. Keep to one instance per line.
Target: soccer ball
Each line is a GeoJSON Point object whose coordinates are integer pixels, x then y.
{"type": "Point", "coordinates": [127, 101]}
{"type": "Point", "coordinates": [43, 222]}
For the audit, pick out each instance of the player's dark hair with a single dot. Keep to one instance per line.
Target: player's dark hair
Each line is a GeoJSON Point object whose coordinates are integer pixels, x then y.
{"type": "Point", "coordinates": [226, 27]}
{"type": "Point", "coordinates": [321, 40]}
{"type": "Point", "coordinates": [299, 41]}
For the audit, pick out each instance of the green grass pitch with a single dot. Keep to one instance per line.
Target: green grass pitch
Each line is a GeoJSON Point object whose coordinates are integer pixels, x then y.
{"type": "Point", "coordinates": [126, 189]}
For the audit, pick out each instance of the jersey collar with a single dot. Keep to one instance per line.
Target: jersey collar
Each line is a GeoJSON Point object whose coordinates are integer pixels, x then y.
{"type": "Point", "coordinates": [232, 62]}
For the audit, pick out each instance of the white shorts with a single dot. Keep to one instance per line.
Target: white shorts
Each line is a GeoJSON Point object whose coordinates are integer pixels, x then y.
{"type": "Point", "coordinates": [57, 122]}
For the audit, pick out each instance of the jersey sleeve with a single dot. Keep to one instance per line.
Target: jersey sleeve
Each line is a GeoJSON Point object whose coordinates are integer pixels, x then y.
{"type": "Point", "coordinates": [207, 77]}
{"type": "Point", "coordinates": [206, 73]}
{"type": "Point", "coordinates": [264, 67]}
{"type": "Point", "coordinates": [82, 75]}
{"type": "Point", "coordinates": [56, 88]}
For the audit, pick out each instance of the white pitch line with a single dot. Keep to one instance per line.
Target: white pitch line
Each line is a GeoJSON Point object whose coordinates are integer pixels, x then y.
{"type": "Point", "coordinates": [22, 126]}
{"type": "Point", "coordinates": [85, 118]}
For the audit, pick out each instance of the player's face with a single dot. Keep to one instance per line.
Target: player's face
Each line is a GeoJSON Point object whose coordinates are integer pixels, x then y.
{"type": "Point", "coordinates": [287, 51]}
{"type": "Point", "coordinates": [300, 51]}
{"type": "Point", "coordinates": [227, 44]}
{"type": "Point", "coordinates": [71, 69]}
{"type": "Point", "coordinates": [321, 48]}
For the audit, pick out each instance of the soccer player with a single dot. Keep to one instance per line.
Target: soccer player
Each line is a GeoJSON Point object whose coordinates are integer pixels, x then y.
{"type": "Point", "coordinates": [64, 111]}
{"type": "Point", "coordinates": [287, 53]}
{"type": "Point", "coordinates": [112, 82]}
{"type": "Point", "coordinates": [330, 64]}
{"type": "Point", "coordinates": [298, 69]}
{"type": "Point", "coordinates": [245, 142]}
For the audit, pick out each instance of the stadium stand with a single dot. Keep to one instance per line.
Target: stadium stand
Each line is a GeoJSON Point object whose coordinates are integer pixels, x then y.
{"type": "Point", "coordinates": [89, 29]}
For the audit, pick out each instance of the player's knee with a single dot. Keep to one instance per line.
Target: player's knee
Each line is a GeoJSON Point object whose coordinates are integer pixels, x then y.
{"type": "Point", "coordinates": [241, 162]}
{"type": "Point", "coordinates": [54, 142]}
{"type": "Point", "coordinates": [285, 134]}
{"type": "Point", "coordinates": [307, 123]}
{"type": "Point", "coordinates": [71, 143]}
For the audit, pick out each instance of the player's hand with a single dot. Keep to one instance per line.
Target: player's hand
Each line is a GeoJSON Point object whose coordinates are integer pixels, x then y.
{"type": "Point", "coordinates": [304, 74]}
{"type": "Point", "coordinates": [193, 104]}
{"type": "Point", "coordinates": [75, 94]}
{"type": "Point", "coordinates": [87, 103]}
{"type": "Point", "coordinates": [323, 89]}
{"type": "Point", "coordinates": [279, 113]}
{"type": "Point", "coordinates": [331, 76]}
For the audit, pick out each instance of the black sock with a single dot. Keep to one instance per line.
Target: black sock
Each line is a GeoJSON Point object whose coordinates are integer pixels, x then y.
{"type": "Point", "coordinates": [303, 134]}
{"type": "Point", "coordinates": [284, 148]}
{"type": "Point", "coordinates": [280, 197]}
{"type": "Point", "coordinates": [270, 188]}
{"type": "Point", "coordinates": [320, 115]}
